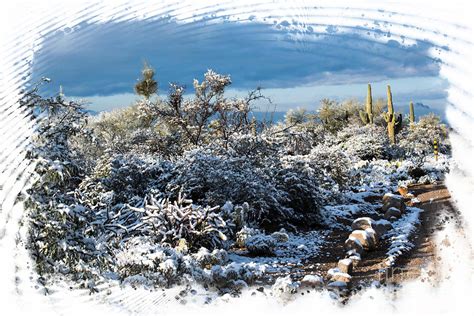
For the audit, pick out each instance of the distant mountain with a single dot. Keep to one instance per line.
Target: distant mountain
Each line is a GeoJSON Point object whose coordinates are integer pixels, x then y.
{"type": "Point", "coordinates": [419, 104]}
{"type": "Point", "coordinates": [274, 117]}
{"type": "Point", "coordinates": [92, 112]}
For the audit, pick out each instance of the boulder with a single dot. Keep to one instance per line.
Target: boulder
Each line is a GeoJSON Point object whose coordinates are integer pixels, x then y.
{"type": "Point", "coordinates": [365, 238]}
{"type": "Point", "coordinates": [333, 271]}
{"type": "Point", "coordinates": [353, 244]}
{"type": "Point", "coordinates": [337, 285]}
{"type": "Point", "coordinates": [403, 190]}
{"type": "Point", "coordinates": [373, 237]}
{"type": "Point", "coordinates": [381, 227]}
{"type": "Point", "coordinates": [355, 259]}
{"type": "Point", "coordinates": [362, 223]}
{"type": "Point", "coordinates": [391, 200]}
{"type": "Point", "coordinates": [345, 265]}
{"type": "Point", "coordinates": [392, 213]}
{"type": "Point", "coordinates": [312, 281]}
{"type": "Point", "coordinates": [341, 277]}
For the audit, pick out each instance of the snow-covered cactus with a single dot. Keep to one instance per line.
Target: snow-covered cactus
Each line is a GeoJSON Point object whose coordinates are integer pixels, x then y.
{"type": "Point", "coordinates": [367, 116]}
{"type": "Point", "coordinates": [244, 234]}
{"type": "Point", "coordinates": [393, 120]}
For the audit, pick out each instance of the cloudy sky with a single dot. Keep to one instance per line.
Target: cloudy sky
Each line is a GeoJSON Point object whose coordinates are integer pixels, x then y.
{"type": "Point", "coordinates": [101, 62]}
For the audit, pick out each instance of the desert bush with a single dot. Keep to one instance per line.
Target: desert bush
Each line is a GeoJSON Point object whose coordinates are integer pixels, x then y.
{"type": "Point", "coordinates": [209, 113]}
{"type": "Point", "coordinates": [417, 141]}
{"type": "Point", "coordinates": [211, 179]}
{"type": "Point", "coordinates": [364, 142]}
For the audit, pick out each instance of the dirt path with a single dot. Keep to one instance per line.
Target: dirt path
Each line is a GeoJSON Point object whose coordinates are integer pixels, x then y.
{"type": "Point", "coordinates": [438, 209]}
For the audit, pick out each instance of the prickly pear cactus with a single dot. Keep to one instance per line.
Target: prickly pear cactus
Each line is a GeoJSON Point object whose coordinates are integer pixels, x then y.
{"type": "Point", "coordinates": [412, 113]}
{"type": "Point", "coordinates": [367, 116]}
{"type": "Point", "coordinates": [393, 120]}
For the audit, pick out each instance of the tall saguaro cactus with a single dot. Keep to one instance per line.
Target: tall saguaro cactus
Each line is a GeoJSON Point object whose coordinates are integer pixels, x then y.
{"type": "Point", "coordinates": [412, 113]}
{"type": "Point", "coordinates": [393, 120]}
{"type": "Point", "coordinates": [367, 116]}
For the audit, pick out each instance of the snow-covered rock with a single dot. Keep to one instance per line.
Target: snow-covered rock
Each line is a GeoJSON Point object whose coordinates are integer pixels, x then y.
{"type": "Point", "coordinates": [365, 238]}
{"type": "Point", "coordinates": [353, 244]}
{"type": "Point", "coordinates": [337, 285]}
{"type": "Point", "coordinates": [355, 258]}
{"type": "Point", "coordinates": [345, 265]}
{"type": "Point", "coordinates": [391, 213]}
{"type": "Point", "coordinates": [341, 276]}
{"type": "Point", "coordinates": [284, 287]}
{"type": "Point", "coordinates": [312, 280]}
{"type": "Point", "coordinates": [381, 227]}
{"type": "Point", "coordinates": [373, 237]}
{"type": "Point", "coordinates": [391, 200]}
{"type": "Point", "coordinates": [402, 189]}
{"type": "Point", "coordinates": [332, 271]}
{"type": "Point", "coordinates": [362, 223]}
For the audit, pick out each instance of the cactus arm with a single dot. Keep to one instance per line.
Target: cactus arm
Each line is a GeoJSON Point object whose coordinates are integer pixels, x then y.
{"type": "Point", "coordinates": [364, 117]}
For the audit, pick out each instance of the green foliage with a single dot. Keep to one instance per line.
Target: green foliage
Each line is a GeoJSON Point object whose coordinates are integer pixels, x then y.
{"type": "Point", "coordinates": [332, 115]}
{"type": "Point", "coordinates": [417, 141]}
{"type": "Point", "coordinates": [148, 85]}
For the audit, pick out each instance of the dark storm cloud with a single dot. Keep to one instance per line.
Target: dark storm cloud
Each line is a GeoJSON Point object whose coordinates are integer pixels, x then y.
{"type": "Point", "coordinates": [105, 59]}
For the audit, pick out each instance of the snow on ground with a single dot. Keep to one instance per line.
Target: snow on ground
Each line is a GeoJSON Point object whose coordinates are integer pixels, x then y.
{"type": "Point", "coordinates": [402, 232]}
{"type": "Point", "coordinates": [291, 253]}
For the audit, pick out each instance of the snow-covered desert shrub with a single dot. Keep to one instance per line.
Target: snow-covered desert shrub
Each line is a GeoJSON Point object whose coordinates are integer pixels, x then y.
{"type": "Point", "coordinates": [168, 222]}
{"type": "Point", "coordinates": [364, 142]}
{"type": "Point", "coordinates": [210, 179]}
{"type": "Point", "coordinates": [280, 236]}
{"type": "Point", "coordinates": [417, 141]}
{"type": "Point", "coordinates": [119, 178]}
{"type": "Point", "coordinates": [158, 265]}
{"type": "Point", "coordinates": [244, 234]}
{"type": "Point", "coordinates": [260, 245]}
{"type": "Point", "coordinates": [284, 288]}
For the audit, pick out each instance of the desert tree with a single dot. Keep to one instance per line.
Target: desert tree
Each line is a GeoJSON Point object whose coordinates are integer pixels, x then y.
{"type": "Point", "coordinates": [209, 111]}
{"type": "Point", "coordinates": [147, 86]}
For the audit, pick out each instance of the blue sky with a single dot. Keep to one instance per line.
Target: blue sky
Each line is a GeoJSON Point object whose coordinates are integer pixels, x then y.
{"type": "Point", "coordinates": [101, 62]}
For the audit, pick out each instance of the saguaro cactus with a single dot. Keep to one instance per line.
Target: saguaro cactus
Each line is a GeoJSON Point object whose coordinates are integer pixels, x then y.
{"type": "Point", "coordinates": [412, 113]}
{"type": "Point", "coordinates": [394, 121]}
{"type": "Point", "coordinates": [367, 116]}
